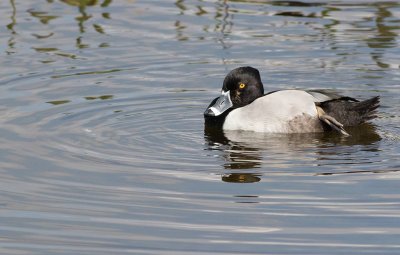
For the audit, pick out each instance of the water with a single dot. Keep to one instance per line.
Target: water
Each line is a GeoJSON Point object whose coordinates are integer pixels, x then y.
{"type": "Point", "coordinates": [103, 148]}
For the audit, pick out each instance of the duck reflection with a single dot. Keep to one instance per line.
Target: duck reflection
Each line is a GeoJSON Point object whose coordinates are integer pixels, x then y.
{"type": "Point", "coordinates": [237, 154]}
{"type": "Point", "coordinates": [250, 150]}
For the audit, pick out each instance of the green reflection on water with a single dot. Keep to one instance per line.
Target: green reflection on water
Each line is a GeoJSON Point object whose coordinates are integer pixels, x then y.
{"type": "Point", "coordinates": [104, 97]}
{"type": "Point", "coordinates": [86, 73]}
{"type": "Point", "coordinates": [45, 49]}
{"type": "Point", "coordinates": [380, 18]}
{"type": "Point", "coordinates": [43, 36]}
{"type": "Point", "coordinates": [13, 20]}
{"type": "Point", "coordinates": [98, 28]}
{"type": "Point", "coordinates": [241, 177]}
{"type": "Point", "coordinates": [58, 102]}
{"type": "Point", "coordinates": [43, 17]}
{"type": "Point", "coordinates": [10, 26]}
{"type": "Point", "coordinates": [80, 3]}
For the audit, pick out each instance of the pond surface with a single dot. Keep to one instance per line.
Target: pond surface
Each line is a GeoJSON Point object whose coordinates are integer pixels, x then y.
{"type": "Point", "coordinates": [102, 141]}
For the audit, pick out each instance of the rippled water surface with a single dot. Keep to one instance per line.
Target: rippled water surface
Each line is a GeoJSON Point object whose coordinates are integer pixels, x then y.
{"type": "Point", "coordinates": [102, 142]}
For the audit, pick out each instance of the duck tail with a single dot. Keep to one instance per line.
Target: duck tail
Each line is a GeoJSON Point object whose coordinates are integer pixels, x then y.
{"type": "Point", "coordinates": [367, 108]}
{"type": "Point", "coordinates": [351, 113]}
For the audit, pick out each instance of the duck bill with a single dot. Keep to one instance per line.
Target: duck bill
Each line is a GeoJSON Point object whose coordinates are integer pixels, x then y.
{"type": "Point", "coordinates": [219, 105]}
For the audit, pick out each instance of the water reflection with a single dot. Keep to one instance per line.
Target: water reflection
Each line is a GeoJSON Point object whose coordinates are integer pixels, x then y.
{"type": "Point", "coordinates": [385, 34]}
{"type": "Point", "coordinates": [58, 102]}
{"type": "Point", "coordinates": [80, 3]}
{"type": "Point", "coordinates": [294, 3]}
{"type": "Point", "coordinates": [249, 150]}
{"type": "Point", "coordinates": [88, 98]}
{"type": "Point", "coordinates": [241, 177]}
{"type": "Point", "coordinates": [45, 18]}
{"type": "Point", "coordinates": [115, 156]}
{"type": "Point", "coordinates": [10, 26]}
{"type": "Point", "coordinates": [361, 172]}
{"type": "Point", "coordinates": [222, 18]}
{"type": "Point", "coordinates": [332, 22]}
{"type": "Point", "coordinates": [84, 17]}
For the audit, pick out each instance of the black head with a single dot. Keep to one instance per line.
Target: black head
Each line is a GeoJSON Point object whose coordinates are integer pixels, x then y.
{"type": "Point", "coordinates": [241, 87]}
{"type": "Point", "coordinates": [244, 84]}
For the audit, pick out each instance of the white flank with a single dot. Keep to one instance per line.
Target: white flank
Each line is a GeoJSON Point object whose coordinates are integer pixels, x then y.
{"type": "Point", "coordinates": [274, 113]}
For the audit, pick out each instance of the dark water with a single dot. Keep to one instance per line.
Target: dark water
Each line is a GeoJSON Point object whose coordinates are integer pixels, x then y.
{"type": "Point", "coordinates": [103, 149]}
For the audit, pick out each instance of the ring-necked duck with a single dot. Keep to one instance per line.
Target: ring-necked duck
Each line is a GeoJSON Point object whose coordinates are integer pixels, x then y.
{"type": "Point", "coordinates": [243, 105]}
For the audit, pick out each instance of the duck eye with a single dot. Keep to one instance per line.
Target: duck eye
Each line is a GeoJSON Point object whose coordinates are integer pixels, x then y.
{"type": "Point", "coordinates": [242, 85]}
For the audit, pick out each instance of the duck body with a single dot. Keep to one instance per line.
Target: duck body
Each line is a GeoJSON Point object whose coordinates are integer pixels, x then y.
{"type": "Point", "coordinates": [244, 106]}
{"type": "Point", "coordinates": [285, 111]}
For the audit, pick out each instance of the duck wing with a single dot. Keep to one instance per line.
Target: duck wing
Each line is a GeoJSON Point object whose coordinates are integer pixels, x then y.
{"type": "Point", "coordinates": [323, 95]}
{"type": "Point", "coordinates": [338, 111]}
{"type": "Point", "coordinates": [350, 112]}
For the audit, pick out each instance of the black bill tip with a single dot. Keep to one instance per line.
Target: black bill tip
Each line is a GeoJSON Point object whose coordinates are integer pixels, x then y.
{"type": "Point", "coordinates": [209, 113]}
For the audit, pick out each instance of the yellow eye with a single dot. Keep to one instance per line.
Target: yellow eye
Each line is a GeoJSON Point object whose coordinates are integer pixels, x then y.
{"type": "Point", "coordinates": [242, 85]}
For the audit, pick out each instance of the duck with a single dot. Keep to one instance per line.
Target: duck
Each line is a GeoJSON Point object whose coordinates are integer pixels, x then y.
{"type": "Point", "coordinates": [242, 105]}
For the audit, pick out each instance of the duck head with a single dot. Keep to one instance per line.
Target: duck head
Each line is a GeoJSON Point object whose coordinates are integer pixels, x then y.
{"type": "Point", "coordinates": [241, 87]}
